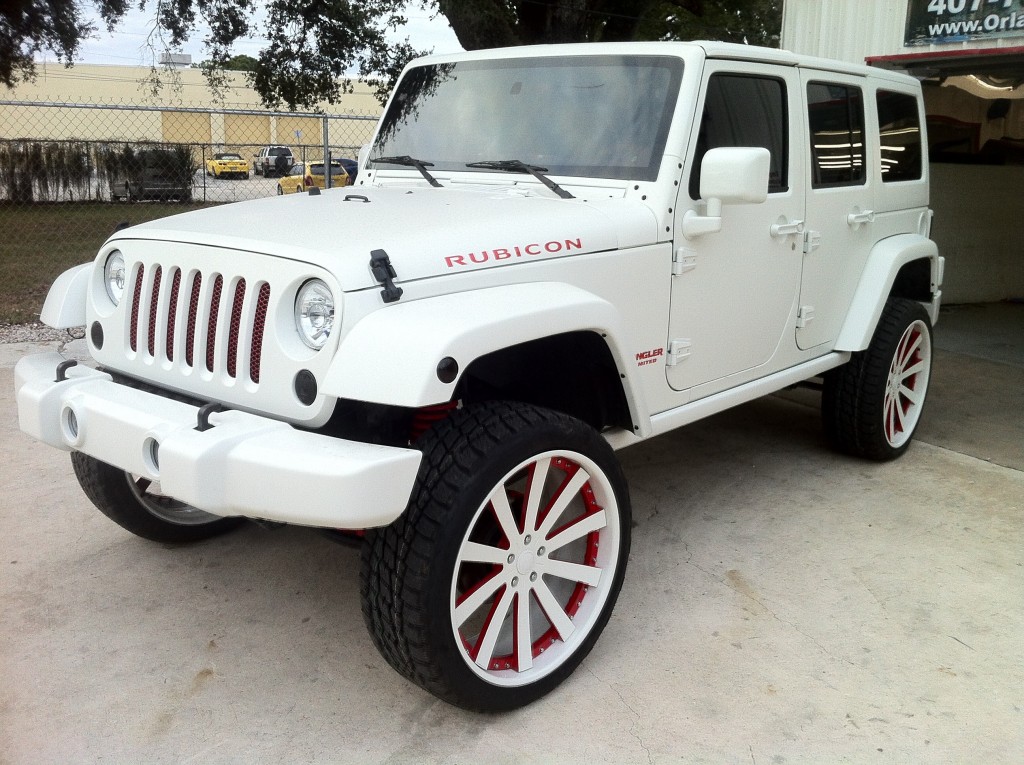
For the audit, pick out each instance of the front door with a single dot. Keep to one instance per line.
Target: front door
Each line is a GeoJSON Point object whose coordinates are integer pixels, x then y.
{"type": "Point", "coordinates": [734, 292]}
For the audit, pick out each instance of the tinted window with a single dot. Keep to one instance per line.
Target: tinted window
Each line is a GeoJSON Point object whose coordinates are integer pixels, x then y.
{"type": "Point", "coordinates": [592, 116]}
{"type": "Point", "coordinates": [899, 129]}
{"type": "Point", "coordinates": [740, 110]}
{"type": "Point", "coordinates": [836, 119]}
{"type": "Point", "coordinates": [278, 151]}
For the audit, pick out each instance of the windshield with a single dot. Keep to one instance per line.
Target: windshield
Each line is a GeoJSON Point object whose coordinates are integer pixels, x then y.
{"type": "Point", "coordinates": [588, 116]}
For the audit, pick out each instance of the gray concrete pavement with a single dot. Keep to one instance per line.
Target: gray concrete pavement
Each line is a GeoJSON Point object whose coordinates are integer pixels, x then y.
{"type": "Point", "coordinates": [783, 604]}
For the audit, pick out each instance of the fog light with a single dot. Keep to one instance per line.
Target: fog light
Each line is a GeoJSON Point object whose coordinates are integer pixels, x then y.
{"type": "Point", "coordinates": [70, 422]}
{"type": "Point", "coordinates": [151, 455]}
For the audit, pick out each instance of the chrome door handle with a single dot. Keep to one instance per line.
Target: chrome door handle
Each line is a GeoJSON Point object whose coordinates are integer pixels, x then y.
{"type": "Point", "coordinates": [785, 229]}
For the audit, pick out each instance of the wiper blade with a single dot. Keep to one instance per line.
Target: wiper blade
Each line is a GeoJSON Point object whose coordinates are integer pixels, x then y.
{"type": "Point", "coordinates": [408, 161]}
{"type": "Point", "coordinates": [518, 166]}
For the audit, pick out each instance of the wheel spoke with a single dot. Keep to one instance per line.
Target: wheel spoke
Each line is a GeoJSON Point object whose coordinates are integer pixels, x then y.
{"type": "Point", "coordinates": [556, 614]}
{"type": "Point", "coordinates": [914, 396]}
{"type": "Point", "coordinates": [503, 512]}
{"type": "Point", "coordinates": [476, 598]}
{"type": "Point", "coordinates": [535, 492]}
{"type": "Point", "coordinates": [913, 370]}
{"type": "Point", "coordinates": [492, 629]}
{"type": "Point", "coordinates": [523, 635]}
{"type": "Point", "coordinates": [474, 552]}
{"type": "Point", "coordinates": [911, 342]}
{"type": "Point", "coordinates": [568, 491]}
{"type": "Point", "coordinates": [577, 529]}
{"type": "Point", "coordinates": [574, 572]}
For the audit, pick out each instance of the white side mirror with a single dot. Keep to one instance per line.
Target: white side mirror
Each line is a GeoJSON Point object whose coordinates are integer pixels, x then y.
{"type": "Point", "coordinates": [728, 176]}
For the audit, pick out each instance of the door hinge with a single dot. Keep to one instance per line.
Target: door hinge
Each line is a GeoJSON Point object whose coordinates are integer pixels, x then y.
{"type": "Point", "coordinates": [683, 260]}
{"type": "Point", "coordinates": [678, 350]}
{"type": "Point", "coordinates": [804, 316]}
{"type": "Point", "coordinates": [812, 240]}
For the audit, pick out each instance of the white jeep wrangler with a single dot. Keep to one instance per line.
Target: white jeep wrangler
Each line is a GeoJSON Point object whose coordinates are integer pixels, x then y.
{"type": "Point", "coordinates": [551, 253]}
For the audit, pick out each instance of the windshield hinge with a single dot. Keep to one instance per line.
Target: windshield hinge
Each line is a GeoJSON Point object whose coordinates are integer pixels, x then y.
{"type": "Point", "coordinates": [384, 272]}
{"type": "Point", "coordinates": [683, 260]}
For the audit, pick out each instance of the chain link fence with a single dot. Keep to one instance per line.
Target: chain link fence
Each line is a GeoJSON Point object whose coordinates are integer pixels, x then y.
{"type": "Point", "coordinates": [71, 173]}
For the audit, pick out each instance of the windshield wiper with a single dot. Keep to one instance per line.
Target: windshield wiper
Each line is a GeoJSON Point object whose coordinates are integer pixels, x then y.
{"type": "Point", "coordinates": [518, 166]}
{"type": "Point", "coordinates": [408, 161]}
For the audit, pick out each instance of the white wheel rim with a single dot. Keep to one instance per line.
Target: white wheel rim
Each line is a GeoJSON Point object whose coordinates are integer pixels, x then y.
{"type": "Point", "coordinates": [535, 568]}
{"type": "Point", "coordinates": [907, 384]}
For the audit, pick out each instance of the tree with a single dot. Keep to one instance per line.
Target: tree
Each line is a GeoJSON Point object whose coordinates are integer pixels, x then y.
{"type": "Point", "coordinates": [314, 46]}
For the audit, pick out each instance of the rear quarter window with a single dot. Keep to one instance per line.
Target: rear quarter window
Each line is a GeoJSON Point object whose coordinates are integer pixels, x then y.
{"type": "Point", "coordinates": [899, 131]}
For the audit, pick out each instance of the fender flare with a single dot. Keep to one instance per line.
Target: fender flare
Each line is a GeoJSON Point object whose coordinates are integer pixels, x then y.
{"type": "Point", "coordinates": [64, 306]}
{"type": "Point", "coordinates": [884, 263]}
{"type": "Point", "coordinates": [391, 356]}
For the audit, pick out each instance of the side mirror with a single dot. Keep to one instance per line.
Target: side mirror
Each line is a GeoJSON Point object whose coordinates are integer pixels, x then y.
{"type": "Point", "coordinates": [728, 176]}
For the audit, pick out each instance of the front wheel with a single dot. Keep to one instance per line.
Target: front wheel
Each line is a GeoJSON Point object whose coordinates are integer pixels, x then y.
{"type": "Point", "coordinates": [136, 504]}
{"type": "Point", "coordinates": [871, 405]}
{"type": "Point", "coordinates": [497, 581]}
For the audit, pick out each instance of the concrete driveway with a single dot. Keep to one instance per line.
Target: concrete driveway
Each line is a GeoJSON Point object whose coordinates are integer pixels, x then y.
{"type": "Point", "coordinates": [783, 604]}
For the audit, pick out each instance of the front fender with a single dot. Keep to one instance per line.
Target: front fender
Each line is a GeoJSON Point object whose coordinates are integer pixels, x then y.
{"type": "Point", "coordinates": [884, 263]}
{"type": "Point", "coordinates": [64, 306]}
{"type": "Point", "coordinates": [392, 355]}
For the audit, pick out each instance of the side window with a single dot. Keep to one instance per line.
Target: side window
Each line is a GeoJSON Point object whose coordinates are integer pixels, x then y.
{"type": "Point", "coordinates": [899, 128]}
{"type": "Point", "coordinates": [836, 119]}
{"type": "Point", "coordinates": [744, 110]}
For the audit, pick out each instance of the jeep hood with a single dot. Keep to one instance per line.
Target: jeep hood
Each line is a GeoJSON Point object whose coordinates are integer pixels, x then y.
{"type": "Point", "coordinates": [426, 232]}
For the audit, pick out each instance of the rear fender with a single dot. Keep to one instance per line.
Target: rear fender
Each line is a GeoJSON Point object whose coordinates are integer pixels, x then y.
{"type": "Point", "coordinates": [884, 263]}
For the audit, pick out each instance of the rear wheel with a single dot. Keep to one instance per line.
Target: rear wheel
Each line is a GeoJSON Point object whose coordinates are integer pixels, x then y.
{"type": "Point", "coordinates": [871, 406]}
{"type": "Point", "coordinates": [137, 505]}
{"type": "Point", "coordinates": [497, 581]}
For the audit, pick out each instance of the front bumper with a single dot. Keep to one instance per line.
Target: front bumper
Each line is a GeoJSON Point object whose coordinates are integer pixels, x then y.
{"type": "Point", "coordinates": [245, 465]}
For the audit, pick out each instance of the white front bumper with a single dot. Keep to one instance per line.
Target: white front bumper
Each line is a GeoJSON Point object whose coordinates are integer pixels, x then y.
{"type": "Point", "coordinates": [245, 465]}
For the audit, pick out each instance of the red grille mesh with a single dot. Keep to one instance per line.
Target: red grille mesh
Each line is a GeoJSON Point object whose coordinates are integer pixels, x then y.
{"type": "Point", "coordinates": [259, 324]}
{"type": "Point", "coordinates": [211, 327]}
{"type": "Point", "coordinates": [153, 299]}
{"type": "Point", "coordinates": [193, 313]}
{"type": "Point", "coordinates": [236, 322]}
{"type": "Point", "coordinates": [133, 334]}
{"type": "Point", "coordinates": [172, 318]}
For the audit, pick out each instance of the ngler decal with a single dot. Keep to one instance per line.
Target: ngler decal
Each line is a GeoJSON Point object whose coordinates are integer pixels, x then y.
{"type": "Point", "coordinates": [518, 251]}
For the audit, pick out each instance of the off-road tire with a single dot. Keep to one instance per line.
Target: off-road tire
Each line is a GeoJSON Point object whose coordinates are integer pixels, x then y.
{"type": "Point", "coordinates": [124, 499]}
{"type": "Point", "coordinates": [872, 405]}
{"type": "Point", "coordinates": [413, 571]}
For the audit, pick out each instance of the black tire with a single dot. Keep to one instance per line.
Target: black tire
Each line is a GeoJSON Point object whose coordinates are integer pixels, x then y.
{"type": "Point", "coordinates": [872, 405]}
{"type": "Point", "coordinates": [245, 176]}
{"type": "Point", "coordinates": [131, 503]}
{"type": "Point", "coordinates": [449, 567]}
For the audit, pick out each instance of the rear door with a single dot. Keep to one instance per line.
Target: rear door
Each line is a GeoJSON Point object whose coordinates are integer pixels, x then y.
{"type": "Point", "coordinates": [839, 224]}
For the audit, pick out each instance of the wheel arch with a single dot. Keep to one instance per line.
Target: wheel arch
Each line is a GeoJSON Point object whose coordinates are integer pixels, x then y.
{"type": "Point", "coordinates": [392, 356]}
{"type": "Point", "coordinates": [907, 265]}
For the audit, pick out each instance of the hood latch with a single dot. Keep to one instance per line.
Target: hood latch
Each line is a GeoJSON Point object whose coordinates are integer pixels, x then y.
{"type": "Point", "coordinates": [384, 272]}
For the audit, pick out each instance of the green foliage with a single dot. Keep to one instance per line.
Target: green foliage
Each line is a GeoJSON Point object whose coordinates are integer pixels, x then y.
{"type": "Point", "coordinates": [313, 46]}
{"type": "Point", "coordinates": [47, 171]}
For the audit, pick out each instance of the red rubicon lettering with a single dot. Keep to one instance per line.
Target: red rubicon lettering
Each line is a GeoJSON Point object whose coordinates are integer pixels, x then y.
{"type": "Point", "coordinates": [552, 247]}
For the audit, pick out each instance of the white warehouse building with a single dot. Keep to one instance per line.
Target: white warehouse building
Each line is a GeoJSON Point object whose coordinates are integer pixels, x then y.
{"type": "Point", "coordinates": [969, 55]}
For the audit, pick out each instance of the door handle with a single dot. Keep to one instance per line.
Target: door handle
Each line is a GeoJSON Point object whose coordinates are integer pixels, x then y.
{"type": "Point", "coordinates": [856, 218]}
{"type": "Point", "coordinates": [786, 229]}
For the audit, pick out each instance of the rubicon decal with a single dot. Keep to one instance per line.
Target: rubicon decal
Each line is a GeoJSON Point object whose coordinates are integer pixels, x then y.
{"type": "Point", "coordinates": [649, 357]}
{"type": "Point", "coordinates": [534, 249]}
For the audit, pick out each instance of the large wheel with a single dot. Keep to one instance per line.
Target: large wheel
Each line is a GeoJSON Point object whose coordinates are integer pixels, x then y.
{"type": "Point", "coordinates": [499, 578]}
{"type": "Point", "coordinates": [872, 405]}
{"type": "Point", "coordinates": [137, 505]}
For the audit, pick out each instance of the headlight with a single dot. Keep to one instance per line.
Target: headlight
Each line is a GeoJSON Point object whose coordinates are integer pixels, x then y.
{"type": "Point", "coordinates": [314, 313]}
{"type": "Point", "coordinates": [113, 276]}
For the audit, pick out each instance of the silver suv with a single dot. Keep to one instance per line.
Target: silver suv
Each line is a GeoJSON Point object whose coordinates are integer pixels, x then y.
{"type": "Point", "coordinates": [273, 161]}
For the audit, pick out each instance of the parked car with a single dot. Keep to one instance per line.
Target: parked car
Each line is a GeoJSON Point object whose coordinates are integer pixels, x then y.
{"type": "Point", "coordinates": [153, 173]}
{"type": "Point", "coordinates": [444, 359]}
{"type": "Point", "coordinates": [305, 176]}
{"type": "Point", "coordinates": [226, 165]}
{"type": "Point", "coordinates": [272, 161]}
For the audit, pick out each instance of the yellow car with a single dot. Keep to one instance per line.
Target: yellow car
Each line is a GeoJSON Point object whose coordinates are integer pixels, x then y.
{"type": "Point", "coordinates": [304, 176]}
{"type": "Point", "coordinates": [227, 164]}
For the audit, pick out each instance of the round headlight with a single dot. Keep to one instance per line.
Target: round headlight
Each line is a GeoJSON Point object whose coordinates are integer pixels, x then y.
{"type": "Point", "coordinates": [314, 313]}
{"type": "Point", "coordinates": [113, 276]}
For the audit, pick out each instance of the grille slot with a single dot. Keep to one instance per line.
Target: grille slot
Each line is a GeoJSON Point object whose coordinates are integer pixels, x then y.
{"type": "Point", "coordinates": [185, 312]}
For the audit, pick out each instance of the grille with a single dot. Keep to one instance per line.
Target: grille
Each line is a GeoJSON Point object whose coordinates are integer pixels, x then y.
{"type": "Point", "coordinates": [215, 319]}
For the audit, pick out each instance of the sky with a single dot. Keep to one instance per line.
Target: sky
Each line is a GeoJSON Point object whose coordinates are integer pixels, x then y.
{"type": "Point", "coordinates": [127, 45]}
